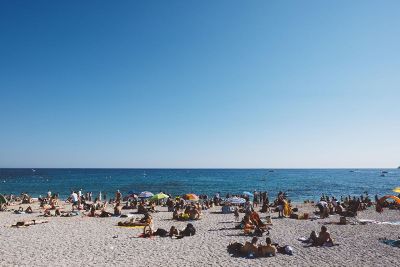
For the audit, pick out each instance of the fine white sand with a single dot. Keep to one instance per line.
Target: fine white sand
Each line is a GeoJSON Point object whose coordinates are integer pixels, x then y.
{"type": "Point", "coordinates": [98, 241]}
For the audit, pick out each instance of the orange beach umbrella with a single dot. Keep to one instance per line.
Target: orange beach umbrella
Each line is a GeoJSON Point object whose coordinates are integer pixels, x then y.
{"type": "Point", "coordinates": [191, 197]}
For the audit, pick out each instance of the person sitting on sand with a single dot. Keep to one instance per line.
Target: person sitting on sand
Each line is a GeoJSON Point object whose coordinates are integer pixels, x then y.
{"type": "Point", "coordinates": [29, 209]}
{"type": "Point", "coordinates": [173, 232]}
{"type": "Point", "coordinates": [248, 225]}
{"type": "Point", "coordinates": [268, 250]}
{"type": "Point", "coordinates": [47, 213]}
{"type": "Point", "coordinates": [105, 214]}
{"type": "Point", "coordinates": [117, 209]}
{"type": "Point", "coordinates": [146, 220]}
{"type": "Point", "coordinates": [194, 214]}
{"type": "Point", "coordinates": [57, 212]}
{"type": "Point", "coordinates": [188, 231]}
{"type": "Point", "coordinates": [141, 208]}
{"type": "Point", "coordinates": [92, 212]}
{"type": "Point", "coordinates": [250, 248]}
{"type": "Point", "coordinates": [255, 218]}
{"type": "Point", "coordinates": [176, 214]}
{"type": "Point", "coordinates": [324, 238]}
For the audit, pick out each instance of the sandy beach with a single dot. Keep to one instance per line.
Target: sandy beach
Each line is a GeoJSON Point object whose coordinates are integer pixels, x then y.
{"type": "Point", "coordinates": [99, 242]}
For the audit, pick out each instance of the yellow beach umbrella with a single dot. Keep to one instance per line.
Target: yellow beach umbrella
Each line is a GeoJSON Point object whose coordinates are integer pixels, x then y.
{"type": "Point", "coordinates": [397, 189]}
{"type": "Point", "coordinates": [159, 196]}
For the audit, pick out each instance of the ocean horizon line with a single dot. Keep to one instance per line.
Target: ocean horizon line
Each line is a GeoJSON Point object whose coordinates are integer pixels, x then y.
{"type": "Point", "coordinates": [207, 168]}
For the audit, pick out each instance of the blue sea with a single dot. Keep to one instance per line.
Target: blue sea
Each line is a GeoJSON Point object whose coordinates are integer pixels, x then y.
{"type": "Point", "coordinates": [300, 184]}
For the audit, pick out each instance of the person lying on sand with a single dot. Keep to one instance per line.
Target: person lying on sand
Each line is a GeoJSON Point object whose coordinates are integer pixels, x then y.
{"type": "Point", "coordinates": [147, 220]}
{"type": "Point", "coordinates": [148, 232]}
{"type": "Point", "coordinates": [27, 223]}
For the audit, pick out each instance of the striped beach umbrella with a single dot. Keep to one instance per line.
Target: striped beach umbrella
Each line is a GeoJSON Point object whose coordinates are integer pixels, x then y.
{"type": "Point", "coordinates": [236, 200]}
{"type": "Point", "coordinates": [246, 193]}
{"type": "Point", "coordinates": [146, 194]}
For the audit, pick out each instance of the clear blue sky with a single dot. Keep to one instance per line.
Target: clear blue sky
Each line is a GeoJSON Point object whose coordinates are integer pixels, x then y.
{"type": "Point", "coordinates": [199, 84]}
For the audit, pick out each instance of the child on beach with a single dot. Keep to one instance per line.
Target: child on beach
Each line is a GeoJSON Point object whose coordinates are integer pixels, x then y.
{"type": "Point", "coordinates": [236, 213]}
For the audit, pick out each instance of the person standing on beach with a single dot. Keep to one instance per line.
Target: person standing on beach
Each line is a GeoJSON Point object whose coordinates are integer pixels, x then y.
{"type": "Point", "coordinates": [118, 196]}
{"type": "Point", "coordinates": [80, 194]}
{"type": "Point", "coordinates": [236, 213]}
{"type": "Point", "coordinates": [74, 199]}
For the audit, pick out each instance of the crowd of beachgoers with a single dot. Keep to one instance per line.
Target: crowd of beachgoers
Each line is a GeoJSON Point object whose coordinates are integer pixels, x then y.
{"type": "Point", "coordinates": [253, 214]}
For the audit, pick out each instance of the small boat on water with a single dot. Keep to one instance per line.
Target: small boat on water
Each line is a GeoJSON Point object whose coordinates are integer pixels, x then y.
{"type": "Point", "coordinates": [384, 172]}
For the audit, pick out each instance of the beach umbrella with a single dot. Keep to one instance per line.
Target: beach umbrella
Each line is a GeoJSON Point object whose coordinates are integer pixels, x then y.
{"type": "Point", "coordinates": [159, 196]}
{"type": "Point", "coordinates": [397, 189]}
{"type": "Point", "coordinates": [146, 194]}
{"type": "Point", "coordinates": [191, 197]}
{"type": "Point", "coordinates": [392, 197]}
{"type": "Point", "coordinates": [248, 194]}
{"type": "Point", "coordinates": [236, 200]}
{"type": "Point", "coordinates": [2, 199]}
{"type": "Point", "coordinates": [132, 196]}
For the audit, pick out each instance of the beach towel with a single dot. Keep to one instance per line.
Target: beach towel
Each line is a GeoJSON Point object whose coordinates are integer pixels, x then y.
{"type": "Point", "coordinates": [128, 226]}
{"type": "Point", "coordinates": [390, 242]}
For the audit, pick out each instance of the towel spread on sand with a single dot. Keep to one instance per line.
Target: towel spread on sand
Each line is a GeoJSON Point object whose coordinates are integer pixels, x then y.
{"type": "Point", "coordinates": [393, 243]}
{"type": "Point", "coordinates": [362, 221]}
{"type": "Point", "coordinates": [128, 226]}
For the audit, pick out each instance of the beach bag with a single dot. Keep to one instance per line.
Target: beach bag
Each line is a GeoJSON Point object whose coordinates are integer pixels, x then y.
{"type": "Point", "coordinates": [288, 250]}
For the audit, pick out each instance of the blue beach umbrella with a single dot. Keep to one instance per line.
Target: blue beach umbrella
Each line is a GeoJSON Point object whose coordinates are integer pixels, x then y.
{"type": "Point", "coordinates": [146, 194]}
{"type": "Point", "coordinates": [236, 200]}
{"type": "Point", "coordinates": [248, 194]}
